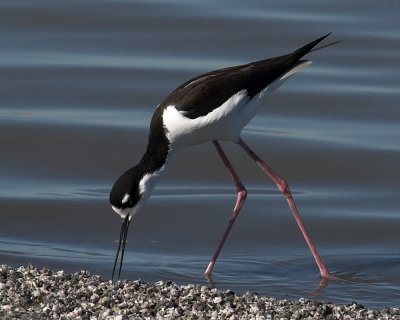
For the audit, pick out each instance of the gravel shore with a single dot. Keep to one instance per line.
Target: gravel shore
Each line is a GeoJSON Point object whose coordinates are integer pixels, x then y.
{"type": "Point", "coordinates": [29, 293]}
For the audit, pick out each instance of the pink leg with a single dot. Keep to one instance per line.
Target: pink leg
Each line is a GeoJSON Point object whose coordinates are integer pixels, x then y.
{"type": "Point", "coordinates": [284, 188]}
{"type": "Point", "coordinates": [241, 198]}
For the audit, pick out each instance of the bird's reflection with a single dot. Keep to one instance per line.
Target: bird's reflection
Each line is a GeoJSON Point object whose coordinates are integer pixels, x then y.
{"type": "Point", "coordinates": [322, 283]}
{"type": "Point", "coordinates": [210, 280]}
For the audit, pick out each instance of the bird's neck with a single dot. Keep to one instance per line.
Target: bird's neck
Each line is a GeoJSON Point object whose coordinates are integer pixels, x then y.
{"type": "Point", "coordinates": [157, 155]}
{"type": "Point", "coordinates": [153, 164]}
{"type": "Point", "coordinates": [148, 182]}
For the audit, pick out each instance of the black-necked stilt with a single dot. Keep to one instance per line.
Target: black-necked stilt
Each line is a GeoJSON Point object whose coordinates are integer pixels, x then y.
{"type": "Point", "coordinates": [211, 107]}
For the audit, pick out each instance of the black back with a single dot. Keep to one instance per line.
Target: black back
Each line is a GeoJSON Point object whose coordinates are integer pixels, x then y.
{"type": "Point", "coordinates": [200, 95]}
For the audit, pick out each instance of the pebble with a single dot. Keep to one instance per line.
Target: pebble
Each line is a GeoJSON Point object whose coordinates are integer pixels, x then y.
{"type": "Point", "coordinates": [30, 293]}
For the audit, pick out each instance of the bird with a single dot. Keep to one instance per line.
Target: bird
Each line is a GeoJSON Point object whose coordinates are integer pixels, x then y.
{"type": "Point", "coordinates": [211, 107]}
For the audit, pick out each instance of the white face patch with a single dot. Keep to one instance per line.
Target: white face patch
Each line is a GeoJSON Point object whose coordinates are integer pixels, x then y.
{"type": "Point", "coordinates": [123, 212]}
{"type": "Point", "coordinates": [125, 198]}
{"type": "Point", "coordinates": [128, 212]}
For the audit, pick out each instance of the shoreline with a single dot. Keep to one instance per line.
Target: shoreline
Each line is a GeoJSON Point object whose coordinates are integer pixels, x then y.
{"type": "Point", "coordinates": [30, 293]}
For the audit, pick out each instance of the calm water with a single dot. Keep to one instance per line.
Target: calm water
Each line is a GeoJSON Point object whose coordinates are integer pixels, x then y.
{"type": "Point", "coordinates": [78, 85]}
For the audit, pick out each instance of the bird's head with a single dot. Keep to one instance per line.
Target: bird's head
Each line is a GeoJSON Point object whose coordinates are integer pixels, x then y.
{"type": "Point", "coordinates": [126, 197]}
{"type": "Point", "coordinates": [126, 194]}
{"type": "Point", "coordinates": [129, 193]}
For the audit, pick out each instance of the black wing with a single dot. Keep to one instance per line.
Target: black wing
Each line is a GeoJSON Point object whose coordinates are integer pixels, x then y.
{"type": "Point", "coordinates": [200, 95]}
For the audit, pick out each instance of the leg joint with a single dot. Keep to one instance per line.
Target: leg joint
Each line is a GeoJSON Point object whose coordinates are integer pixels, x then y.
{"type": "Point", "coordinates": [240, 199]}
{"type": "Point", "coordinates": [242, 193]}
{"type": "Point", "coordinates": [284, 188]}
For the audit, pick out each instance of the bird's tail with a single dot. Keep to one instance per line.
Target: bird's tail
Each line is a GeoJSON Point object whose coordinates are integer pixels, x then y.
{"type": "Point", "coordinates": [326, 45]}
{"type": "Point", "coordinates": [296, 63]}
{"type": "Point", "coordinates": [310, 47]}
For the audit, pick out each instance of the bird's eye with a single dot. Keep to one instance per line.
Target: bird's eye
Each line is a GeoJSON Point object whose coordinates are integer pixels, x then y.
{"type": "Point", "coordinates": [126, 198]}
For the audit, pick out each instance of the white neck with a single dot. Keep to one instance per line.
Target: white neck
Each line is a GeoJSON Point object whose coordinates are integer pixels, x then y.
{"type": "Point", "coordinates": [150, 180]}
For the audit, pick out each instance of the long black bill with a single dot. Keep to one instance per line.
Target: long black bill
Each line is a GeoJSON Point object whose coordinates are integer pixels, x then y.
{"type": "Point", "coordinates": [122, 240]}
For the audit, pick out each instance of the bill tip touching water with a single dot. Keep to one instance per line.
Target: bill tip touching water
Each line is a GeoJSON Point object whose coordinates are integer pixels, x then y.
{"type": "Point", "coordinates": [212, 107]}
